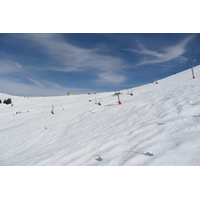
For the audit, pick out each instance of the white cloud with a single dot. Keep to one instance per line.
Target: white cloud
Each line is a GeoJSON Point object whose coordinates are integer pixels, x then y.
{"type": "Point", "coordinates": [182, 59]}
{"type": "Point", "coordinates": [14, 87]}
{"type": "Point", "coordinates": [110, 78]}
{"type": "Point", "coordinates": [72, 58]}
{"type": "Point", "coordinates": [168, 53]}
{"type": "Point", "coordinates": [69, 58]}
{"type": "Point", "coordinates": [35, 82]}
{"type": "Point", "coordinates": [8, 66]}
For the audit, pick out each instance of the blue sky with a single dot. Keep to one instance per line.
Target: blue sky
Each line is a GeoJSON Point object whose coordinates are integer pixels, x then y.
{"type": "Point", "coordinates": [53, 64]}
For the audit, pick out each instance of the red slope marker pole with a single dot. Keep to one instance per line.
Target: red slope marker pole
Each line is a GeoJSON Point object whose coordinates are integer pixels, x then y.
{"type": "Point", "coordinates": [118, 97]}
{"type": "Point", "coordinates": [119, 100]}
{"type": "Point", "coordinates": [117, 94]}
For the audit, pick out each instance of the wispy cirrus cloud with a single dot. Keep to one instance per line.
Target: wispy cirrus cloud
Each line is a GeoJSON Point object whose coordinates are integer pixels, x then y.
{"type": "Point", "coordinates": [17, 84]}
{"type": "Point", "coordinates": [65, 58]}
{"type": "Point", "coordinates": [168, 53]}
{"type": "Point", "coordinates": [71, 58]}
{"type": "Point", "coordinates": [35, 82]}
{"type": "Point", "coordinates": [9, 66]}
{"type": "Point", "coordinates": [110, 77]}
{"type": "Point", "coordinates": [47, 88]}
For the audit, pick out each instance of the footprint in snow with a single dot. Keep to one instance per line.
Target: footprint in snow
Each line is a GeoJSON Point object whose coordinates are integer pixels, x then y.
{"type": "Point", "coordinates": [197, 118]}
{"type": "Point", "coordinates": [99, 158]}
{"type": "Point", "coordinates": [160, 123]}
{"type": "Point", "coordinates": [148, 154]}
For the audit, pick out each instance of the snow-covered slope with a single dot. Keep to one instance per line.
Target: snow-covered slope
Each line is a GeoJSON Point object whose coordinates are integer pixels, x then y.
{"type": "Point", "coordinates": [158, 125]}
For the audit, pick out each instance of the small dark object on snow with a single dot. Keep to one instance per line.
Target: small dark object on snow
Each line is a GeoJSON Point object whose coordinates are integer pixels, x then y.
{"type": "Point", "coordinates": [148, 154]}
{"type": "Point", "coordinates": [0, 101]}
{"type": "Point", "coordinates": [7, 101]}
{"type": "Point", "coordinates": [99, 104]}
{"type": "Point", "coordinates": [52, 111]}
{"type": "Point", "coordinates": [99, 158]}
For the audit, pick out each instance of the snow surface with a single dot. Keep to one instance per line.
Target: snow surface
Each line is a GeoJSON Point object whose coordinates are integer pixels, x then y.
{"type": "Point", "coordinates": [158, 125]}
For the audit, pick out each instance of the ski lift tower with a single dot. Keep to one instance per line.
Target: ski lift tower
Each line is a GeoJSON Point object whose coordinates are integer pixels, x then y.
{"type": "Point", "coordinates": [117, 93]}
{"type": "Point", "coordinates": [191, 64]}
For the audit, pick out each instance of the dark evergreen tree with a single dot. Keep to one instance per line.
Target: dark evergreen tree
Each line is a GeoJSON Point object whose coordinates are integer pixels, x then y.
{"type": "Point", "coordinates": [7, 101]}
